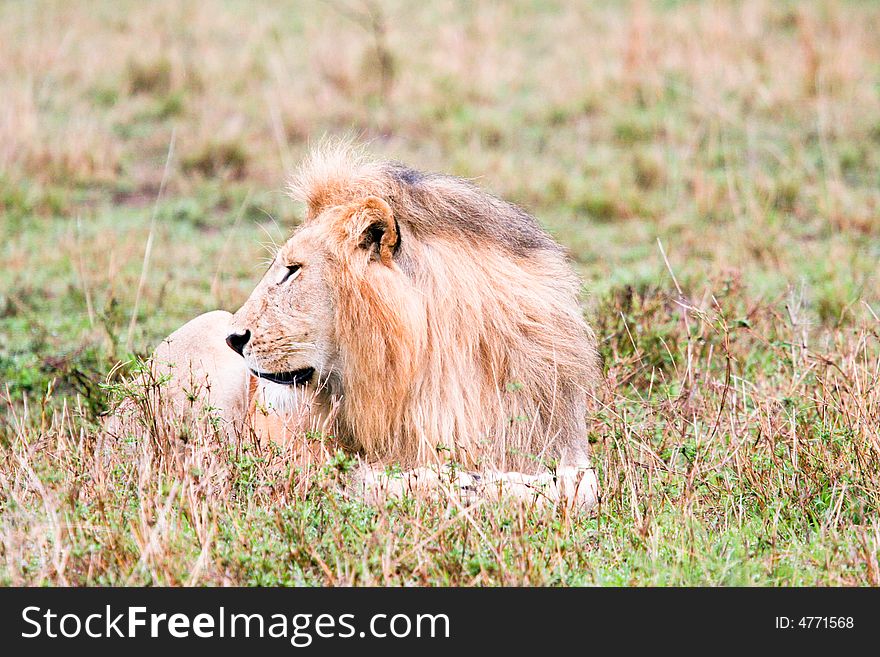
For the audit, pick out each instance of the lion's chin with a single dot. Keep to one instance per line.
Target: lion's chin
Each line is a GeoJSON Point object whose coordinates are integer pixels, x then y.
{"type": "Point", "coordinates": [283, 398]}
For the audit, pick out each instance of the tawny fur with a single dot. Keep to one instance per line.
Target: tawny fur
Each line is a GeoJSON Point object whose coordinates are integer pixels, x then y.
{"type": "Point", "coordinates": [456, 335]}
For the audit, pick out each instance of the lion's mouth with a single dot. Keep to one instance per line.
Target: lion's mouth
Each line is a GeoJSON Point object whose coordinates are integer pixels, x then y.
{"type": "Point", "coordinates": [294, 378]}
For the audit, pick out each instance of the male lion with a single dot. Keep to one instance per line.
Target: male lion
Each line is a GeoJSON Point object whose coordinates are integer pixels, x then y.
{"type": "Point", "coordinates": [419, 321]}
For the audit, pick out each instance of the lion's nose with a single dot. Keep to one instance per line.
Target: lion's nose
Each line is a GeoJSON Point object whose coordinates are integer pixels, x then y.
{"type": "Point", "coordinates": [237, 341]}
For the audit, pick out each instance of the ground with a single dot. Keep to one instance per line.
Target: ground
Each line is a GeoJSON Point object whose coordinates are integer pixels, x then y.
{"type": "Point", "coordinates": [713, 169]}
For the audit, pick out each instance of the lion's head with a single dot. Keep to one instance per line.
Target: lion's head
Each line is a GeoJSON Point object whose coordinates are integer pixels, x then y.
{"type": "Point", "coordinates": [441, 321]}
{"type": "Point", "coordinates": [289, 330]}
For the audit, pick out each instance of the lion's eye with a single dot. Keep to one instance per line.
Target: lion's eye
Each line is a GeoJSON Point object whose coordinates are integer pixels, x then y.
{"type": "Point", "coordinates": [290, 273]}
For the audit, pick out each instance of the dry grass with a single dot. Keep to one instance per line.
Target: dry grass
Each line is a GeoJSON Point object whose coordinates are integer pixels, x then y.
{"type": "Point", "coordinates": [737, 439]}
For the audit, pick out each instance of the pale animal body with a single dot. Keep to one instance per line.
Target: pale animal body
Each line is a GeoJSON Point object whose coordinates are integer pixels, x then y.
{"type": "Point", "coordinates": [420, 322]}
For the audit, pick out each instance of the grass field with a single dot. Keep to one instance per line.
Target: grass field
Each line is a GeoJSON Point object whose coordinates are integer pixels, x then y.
{"type": "Point", "coordinates": [714, 169]}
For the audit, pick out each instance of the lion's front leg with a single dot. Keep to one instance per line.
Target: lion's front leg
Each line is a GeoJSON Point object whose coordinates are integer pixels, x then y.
{"type": "Point", "coordinates": [573, 487]}
{"type": "Point", "coordinates": [569, 486]}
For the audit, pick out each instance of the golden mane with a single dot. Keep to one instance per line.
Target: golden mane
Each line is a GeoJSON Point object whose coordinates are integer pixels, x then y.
{"type": "Point", "coordinates": [471, 345]}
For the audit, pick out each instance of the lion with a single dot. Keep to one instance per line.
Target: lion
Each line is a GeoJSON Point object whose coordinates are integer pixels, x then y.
{"type": "Point", "coordinates": [418, 320]}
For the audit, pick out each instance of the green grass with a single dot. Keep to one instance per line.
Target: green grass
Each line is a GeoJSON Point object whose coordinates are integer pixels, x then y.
{"type": "Point", "coordinates": [737, 438]}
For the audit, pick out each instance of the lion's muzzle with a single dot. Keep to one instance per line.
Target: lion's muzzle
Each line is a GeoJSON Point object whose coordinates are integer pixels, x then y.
{"type": "Point", "coordinates": [293, 378]}
{"type": "Point", "coordinates": [237, 341]}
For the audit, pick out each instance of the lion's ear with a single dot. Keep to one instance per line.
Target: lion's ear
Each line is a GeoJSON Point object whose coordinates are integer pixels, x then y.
{"type": "Point", "coordinates": [378, 229]}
